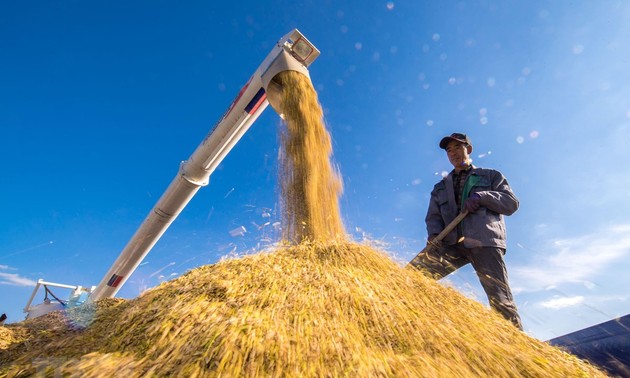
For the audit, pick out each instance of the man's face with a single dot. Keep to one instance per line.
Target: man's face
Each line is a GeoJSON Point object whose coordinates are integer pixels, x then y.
{"type": "Point", "coordinates": [458, 154]}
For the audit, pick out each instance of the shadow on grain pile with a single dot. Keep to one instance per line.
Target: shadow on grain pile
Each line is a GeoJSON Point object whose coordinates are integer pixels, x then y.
{"type": "Point", "coordinates": [322, 307]}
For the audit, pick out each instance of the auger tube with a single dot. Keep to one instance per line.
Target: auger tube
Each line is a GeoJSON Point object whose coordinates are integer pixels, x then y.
{"type": "Point", "coordinates": [292, 52]}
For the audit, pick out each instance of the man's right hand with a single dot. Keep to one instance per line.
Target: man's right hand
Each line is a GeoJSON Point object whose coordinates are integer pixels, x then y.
{"type": "Point", "coordinates": [472, 203]}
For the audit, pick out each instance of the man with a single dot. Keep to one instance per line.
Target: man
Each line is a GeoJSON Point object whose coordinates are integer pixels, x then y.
{"type": "Point", "coordinates": [480, 237]}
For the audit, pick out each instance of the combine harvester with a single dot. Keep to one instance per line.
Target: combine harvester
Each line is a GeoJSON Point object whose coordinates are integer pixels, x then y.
{"type": "Point", "coordinates": [292, 52]}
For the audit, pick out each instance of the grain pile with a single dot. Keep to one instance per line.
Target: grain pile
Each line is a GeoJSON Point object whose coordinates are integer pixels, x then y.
{"type": "Point", "coordinates": [320, 307]}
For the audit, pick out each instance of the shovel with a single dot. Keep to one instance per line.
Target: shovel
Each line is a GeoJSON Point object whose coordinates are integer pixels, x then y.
{"type": "Point", "coordinates": [435, 242]}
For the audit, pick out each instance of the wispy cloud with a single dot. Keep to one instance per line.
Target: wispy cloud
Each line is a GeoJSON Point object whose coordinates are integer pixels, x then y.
{"type": "Point", "coordinates": [562, 302]}
{"type": "Point", "coordinates": [576, 260]}
{"type": "Point", "coordinates": [15, 279]}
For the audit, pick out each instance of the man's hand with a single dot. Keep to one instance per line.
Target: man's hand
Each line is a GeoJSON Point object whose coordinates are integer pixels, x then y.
{"type": "Point", "coordinates": [472, 203]}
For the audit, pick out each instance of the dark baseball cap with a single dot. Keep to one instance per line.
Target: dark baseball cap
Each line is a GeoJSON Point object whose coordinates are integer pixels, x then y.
{"type": "Point", "coordinates": [458, 137]}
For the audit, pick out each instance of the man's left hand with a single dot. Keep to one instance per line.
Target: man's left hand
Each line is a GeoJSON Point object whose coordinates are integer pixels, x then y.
{"type": "Point", "coordinates": [472, 203]}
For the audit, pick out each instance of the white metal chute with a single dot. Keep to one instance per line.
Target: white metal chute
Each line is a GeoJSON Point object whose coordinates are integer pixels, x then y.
{"type": "Point", "coordinates": [292, 52]}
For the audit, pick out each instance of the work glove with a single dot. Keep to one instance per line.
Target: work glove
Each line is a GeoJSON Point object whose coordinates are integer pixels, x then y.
{"type": "Point", "coordinates": [472, 202]}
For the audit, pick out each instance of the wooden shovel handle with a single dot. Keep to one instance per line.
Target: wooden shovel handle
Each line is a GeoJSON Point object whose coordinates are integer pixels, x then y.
{"type": "Point", "coordinates": [450, 226]}
{"type": "Point", "coordinates": [440, 236]}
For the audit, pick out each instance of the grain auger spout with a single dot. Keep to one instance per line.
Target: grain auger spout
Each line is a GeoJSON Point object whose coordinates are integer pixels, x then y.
{"type": "Point", "coordinates": [292, 52]}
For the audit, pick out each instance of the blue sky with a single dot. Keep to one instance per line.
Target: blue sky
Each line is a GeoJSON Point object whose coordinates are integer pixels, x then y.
{"type": "Point", "coordinates": [101, 101]}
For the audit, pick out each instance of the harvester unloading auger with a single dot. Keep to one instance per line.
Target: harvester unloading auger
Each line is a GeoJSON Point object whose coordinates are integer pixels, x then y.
{"type": "Point", "coordinates": [292, 52]}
